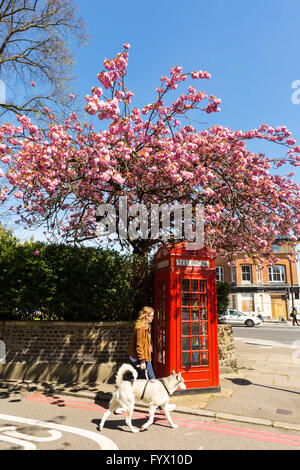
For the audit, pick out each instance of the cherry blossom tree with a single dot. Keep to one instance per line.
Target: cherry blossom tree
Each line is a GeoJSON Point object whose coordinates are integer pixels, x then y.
{"type": "Point", "coordinates": [61, 175]}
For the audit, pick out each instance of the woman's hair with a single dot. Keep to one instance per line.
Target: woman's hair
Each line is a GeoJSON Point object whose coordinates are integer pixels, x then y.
{"type": "Point", "coordinates": [142, 318]}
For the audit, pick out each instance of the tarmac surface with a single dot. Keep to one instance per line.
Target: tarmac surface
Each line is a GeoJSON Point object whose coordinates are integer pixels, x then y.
{"type": "Point", "coordinates": [263, 389]}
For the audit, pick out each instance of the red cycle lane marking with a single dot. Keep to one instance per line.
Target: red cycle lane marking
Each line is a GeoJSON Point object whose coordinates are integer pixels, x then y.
{"type": "Point", "coordinates": [227, 426]}
{"type": "Point", "coordinates": [189, 424]}
{"type": "Point", "coordinates": [70, 403]}
{"type": "Point", "coordinates": [239, 431]}
{"type": "Point", "coordinates": [258, 437]}
{"type": "Point", "coordinates": [73, 403]}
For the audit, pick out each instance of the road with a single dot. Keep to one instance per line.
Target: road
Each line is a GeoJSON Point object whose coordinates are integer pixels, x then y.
{"type": "Point", "coordinates": [285, 335]}
{"type": "Point", "coordinates": [34, 421]}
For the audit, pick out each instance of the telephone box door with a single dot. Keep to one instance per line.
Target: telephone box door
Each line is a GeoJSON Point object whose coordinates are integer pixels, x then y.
{"type": "Point", "coordinates": [197, 349]}
{"type": "Point", "coordinates": [162, 327]}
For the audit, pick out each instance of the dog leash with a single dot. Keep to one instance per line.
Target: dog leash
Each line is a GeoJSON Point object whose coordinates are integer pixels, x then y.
{"type": "Point", "coordinates": [147, 378]}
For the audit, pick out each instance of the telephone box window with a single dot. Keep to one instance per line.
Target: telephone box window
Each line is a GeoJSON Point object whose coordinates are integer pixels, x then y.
{"type": "Point", "coordinates": [185, 344]}
{"type": "Point", "coordinates": [204, 358]}
{"type": "Point", "coordinates": [185, 314]}
{"type": "Point", "coordinates": [203, 313]}
{"type": "Point", "coordinates": [186, 359]}
{"type": "Point", "coordinates": [195, 314]}
{"type": "Point", "coordinates": [194, 323]}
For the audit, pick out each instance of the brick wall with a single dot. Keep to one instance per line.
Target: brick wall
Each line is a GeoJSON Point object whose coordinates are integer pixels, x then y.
{"type": "Point", "coordinates": [226, 348]}
{"type": "Point", "coordinates": [76, 352]}
{"type": "Point", "coordinates": [80, 343]}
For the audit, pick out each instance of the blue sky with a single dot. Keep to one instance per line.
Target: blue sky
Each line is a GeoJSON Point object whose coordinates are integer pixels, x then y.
{"type": "Point", "coordinates": [251, 50]}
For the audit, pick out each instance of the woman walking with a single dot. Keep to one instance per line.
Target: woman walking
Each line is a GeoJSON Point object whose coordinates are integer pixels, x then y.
{"type": "Point", "coordinates": [140, 348]}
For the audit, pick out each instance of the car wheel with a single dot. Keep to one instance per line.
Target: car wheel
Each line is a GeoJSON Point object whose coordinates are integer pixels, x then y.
{"type": "Point", "coordinates": [249, 323]}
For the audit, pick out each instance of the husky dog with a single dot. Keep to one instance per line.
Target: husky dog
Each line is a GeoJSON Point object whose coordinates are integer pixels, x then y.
{"type": "Point", "coordinates": [154, 393]}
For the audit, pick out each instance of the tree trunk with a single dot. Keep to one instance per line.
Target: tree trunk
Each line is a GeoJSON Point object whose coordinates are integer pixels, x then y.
{"type": "Point", "coordinates": [142, 276]}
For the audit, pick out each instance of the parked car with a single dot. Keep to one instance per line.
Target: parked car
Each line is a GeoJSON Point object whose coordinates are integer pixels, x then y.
{"type": "Point", "coordinates": [234, 317]}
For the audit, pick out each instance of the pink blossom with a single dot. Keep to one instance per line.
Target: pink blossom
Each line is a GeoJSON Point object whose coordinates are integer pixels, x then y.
{"type": "Point", "coordinates": [118, 178]}
{"type": "Point", "coordinates": [148, 152]}
{"type": "Point", "coordinates": [290, 141]}
{"type": "Point", "coordinates": [105, 79]}
{"type": "Point", "coordinates": [6, 159]}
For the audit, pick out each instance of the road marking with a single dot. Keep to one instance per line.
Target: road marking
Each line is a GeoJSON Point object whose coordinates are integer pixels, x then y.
{"type": "Point", "coordinates": [263, 342]}
{"type": "Point", "coordinates": [103, 442]}
{"type": "Point", "coordinates": [54, 435]}
{"type": "Point", "coordinates": [247, 433]}
{"type": "Point", "coordinates": [188, 423]}
{"type": "Point", "coordinates": [18, 442]}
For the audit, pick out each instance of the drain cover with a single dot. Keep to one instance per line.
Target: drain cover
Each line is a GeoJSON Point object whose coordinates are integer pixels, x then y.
{"type": "Point", "coordinates": [284, 412]}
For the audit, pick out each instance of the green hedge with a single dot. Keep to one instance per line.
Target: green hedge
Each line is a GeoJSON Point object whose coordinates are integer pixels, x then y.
{"type": "Point", "coordinates": [64, 282]}
{"type": "Point", "coordinates": [223, 291]}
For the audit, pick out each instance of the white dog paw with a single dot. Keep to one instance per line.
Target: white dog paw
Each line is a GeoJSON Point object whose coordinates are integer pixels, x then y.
{"type": "Point", "coordinates": [175, 426]}
{"type": "Point", "coordinates": [135, 430]}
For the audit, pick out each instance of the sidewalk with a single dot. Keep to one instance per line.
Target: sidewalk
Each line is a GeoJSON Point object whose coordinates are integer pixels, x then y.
{"type": "Point", "coordinates": [264, 389]}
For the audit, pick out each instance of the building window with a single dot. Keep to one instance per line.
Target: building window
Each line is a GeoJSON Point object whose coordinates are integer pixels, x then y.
{"type": "Point", "coordinates": [232, 302]}
{"type": "Point", "coordinates": [258, 272]}
{"type": "Point", "coordinates": [247, 302]}
{"type": "Point", "coordinates": [220, 273]}
{"type": "Point", "coordinates": [233, 278]}
{"type": "Point", "coordinates": [276, 274]}
{"type": "Point", "coordinates": [246, 273]}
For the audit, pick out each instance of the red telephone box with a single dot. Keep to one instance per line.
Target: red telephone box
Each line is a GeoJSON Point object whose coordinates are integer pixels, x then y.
{"type": "Point", "coordinates": [185, 326]}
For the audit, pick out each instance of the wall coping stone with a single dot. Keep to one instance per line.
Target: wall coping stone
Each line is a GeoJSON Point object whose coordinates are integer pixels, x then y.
{"type": "Point", "coordinates": [41, 323]}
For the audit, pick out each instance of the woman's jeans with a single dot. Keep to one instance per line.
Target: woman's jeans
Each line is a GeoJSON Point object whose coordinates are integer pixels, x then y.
{"type": "Point", "coordinates": [149, 368]}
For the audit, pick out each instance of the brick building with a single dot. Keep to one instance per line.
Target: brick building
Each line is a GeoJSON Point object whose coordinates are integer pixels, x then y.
{"type": "Point", "coordinates": [269, 291]}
